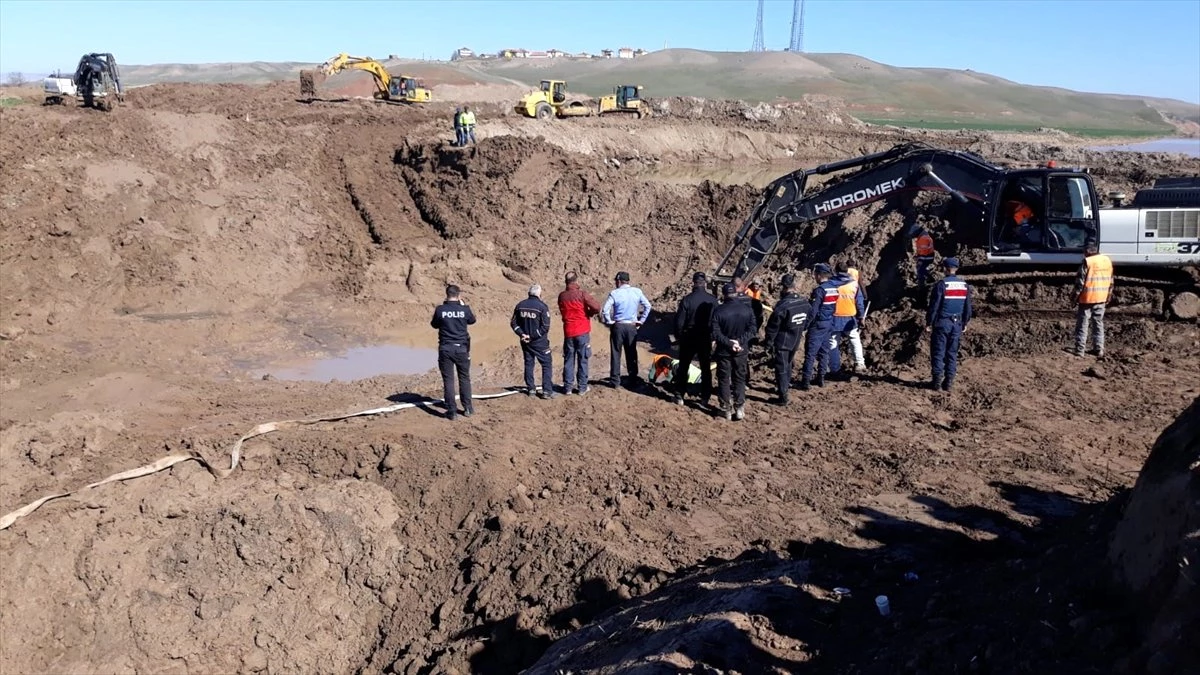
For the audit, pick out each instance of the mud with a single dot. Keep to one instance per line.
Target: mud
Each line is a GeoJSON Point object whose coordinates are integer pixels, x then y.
{"type": "Point", "coordinates": [155, 259]}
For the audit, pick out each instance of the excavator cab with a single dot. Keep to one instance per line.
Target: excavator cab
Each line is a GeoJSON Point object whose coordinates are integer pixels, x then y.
{"type": "Point", "coordinates": [1044, 212]}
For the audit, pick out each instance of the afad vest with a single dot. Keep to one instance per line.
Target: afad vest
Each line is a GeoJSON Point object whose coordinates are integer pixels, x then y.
{"type": "Point", "coordinates": [924, 246]}
{"type": "Point", "coordinates": [1098, 285]}
{"type": "Point", "coordinates": [846, 295]}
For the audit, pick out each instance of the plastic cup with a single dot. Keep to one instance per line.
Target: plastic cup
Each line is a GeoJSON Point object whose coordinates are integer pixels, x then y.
{"type": "Point", "coordinates": [881, 602]}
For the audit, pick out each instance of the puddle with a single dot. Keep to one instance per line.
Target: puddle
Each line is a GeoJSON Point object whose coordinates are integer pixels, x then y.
{"type": "Point", "coordinates": [724, 174]}
{"type": "Point", "coordinates": [1186, 146]}
{"type": "Point", "coordinates": [360, 363]}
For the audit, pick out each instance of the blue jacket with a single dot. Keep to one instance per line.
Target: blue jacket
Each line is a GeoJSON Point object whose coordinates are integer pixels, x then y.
{"type": "Point", "coordinates": [949, 302]}
{"type": "Point", "coordinates": [841, 323]}
{"type": "Point", "coordinates": [824, 299]}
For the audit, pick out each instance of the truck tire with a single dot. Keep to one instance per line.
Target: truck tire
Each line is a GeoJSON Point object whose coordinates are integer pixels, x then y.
{"type": "Point", "coordinates": [543, 111]}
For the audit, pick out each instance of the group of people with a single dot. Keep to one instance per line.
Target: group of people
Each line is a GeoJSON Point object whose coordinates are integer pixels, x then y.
{"type": "Point", "coordinates": [464, 126]}
{"type": "Point", "coordinates": [721, 332]}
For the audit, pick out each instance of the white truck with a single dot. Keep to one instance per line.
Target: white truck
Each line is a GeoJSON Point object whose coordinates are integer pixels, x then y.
{"type": "Point", "coordinates": [58, 89]}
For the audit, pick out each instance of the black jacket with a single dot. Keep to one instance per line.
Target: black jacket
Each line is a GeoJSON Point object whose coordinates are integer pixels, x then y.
{"type": "Point", "coordinates": [693, 316]}
{"type": "Point", "coordinates": [451, 319]}
{"type": "Point", "coordinates": [531, 317]}
{"type": "Point", "coordinates": [733, 320]}
{"type": "Point", "coordinates": [788, 321]}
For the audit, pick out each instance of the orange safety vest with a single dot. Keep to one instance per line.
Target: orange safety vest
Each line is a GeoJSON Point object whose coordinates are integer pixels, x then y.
{"type": "Point", "coordinates": [753, 294]}
{"type": "Point", "coordinates": [845, 300]}
{"type": "Point", "coordinates": [853, 273]}
{"type": "Point", "coordinates": [1020, 211]}
{"type": "Point", "coordinates": [924, 246]}
{"type": "Point", "coordinates": [1098, 285]}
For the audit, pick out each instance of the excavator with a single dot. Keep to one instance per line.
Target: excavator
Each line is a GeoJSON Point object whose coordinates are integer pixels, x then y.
{"type": "Point", "coordinates": [394, 88]}
{"type": "Point", "coordinates": [98, 81]}
{"type": "Point", "coordinates": [1154, 241]}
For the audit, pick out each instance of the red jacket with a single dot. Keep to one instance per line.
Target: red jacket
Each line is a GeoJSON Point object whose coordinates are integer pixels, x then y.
{"type": "Point", "coordinates": [577, 308]}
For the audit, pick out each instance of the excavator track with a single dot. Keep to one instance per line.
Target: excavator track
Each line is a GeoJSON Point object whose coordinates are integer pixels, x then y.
{"type": "Point", "coordinates": [1049, 292]}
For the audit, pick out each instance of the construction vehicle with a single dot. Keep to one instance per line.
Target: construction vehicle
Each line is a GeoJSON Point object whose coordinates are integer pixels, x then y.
{"type": "Point", "coordinates": [58, 88]}
{"type": "Point", "coordinates": [388, 87]}
{"type": "Point", "coordinates": [97, 81]}
{"type": "Point", "coordinates": [625, 98]}
{"type": "Point", "coordinates": [550, 101]}
{"type": "Point", "coordinates": [1154, 242]}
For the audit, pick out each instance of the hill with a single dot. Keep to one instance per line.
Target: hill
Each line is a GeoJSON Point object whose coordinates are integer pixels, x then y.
{"type": "Point", "coordinates": [873, 92]}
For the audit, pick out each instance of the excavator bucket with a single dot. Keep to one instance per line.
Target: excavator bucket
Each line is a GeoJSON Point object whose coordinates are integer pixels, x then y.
{"type": "Point", "coordinates": [309, 81]}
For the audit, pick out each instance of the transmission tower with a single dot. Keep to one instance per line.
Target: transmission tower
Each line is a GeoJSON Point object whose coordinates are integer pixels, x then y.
{"type": "Point", "coordinates": [797, 26]}
{"type": "Point", "coordinates": [758, 31]}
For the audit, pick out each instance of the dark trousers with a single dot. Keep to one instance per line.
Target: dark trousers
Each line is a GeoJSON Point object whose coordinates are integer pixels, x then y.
{"type": "Point", "coordinates": [943, 352]}
{"type": "Point", "coordinates": [622, 336]}
{"type": "Point", "coordinates": [453, 358]}
{"type": "Point", "coordinates": [785, 360]}
{"type": "Point", "coordinates": [733, 371]}
{"type": "Point", "coordinates": [816, 351]}
{"type": "Point", "coordinates": [576, 353]}
{"type": "Point", "coordinates": [458, 136]}
{"type": "Point", "coordinates": [540, 352]}
{"type": "Point", "coordinates": [697, 349]}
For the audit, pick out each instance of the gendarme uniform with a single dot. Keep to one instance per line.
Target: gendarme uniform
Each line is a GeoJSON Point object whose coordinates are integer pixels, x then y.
{"type": "Point", "coordinates": [948, 314]}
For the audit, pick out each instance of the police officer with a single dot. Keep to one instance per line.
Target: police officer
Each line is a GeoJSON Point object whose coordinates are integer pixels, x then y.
{"type": "Point", "coordinates": [732, 328]}
{"type": "Point", "coordinates": [692, 331]}
{"type": "Point", "coordinates": [847, 316]}
{"type": "Point", "coordinates": [451, 319]}
{"type": "Point", "coordinates": [784, 330]}
{"type": "Point", "coordinates": [820, 327]}
{"type": "Point", "coordinates": [531, 323]}
{"type": "Point", "coordinates": [947, 316]}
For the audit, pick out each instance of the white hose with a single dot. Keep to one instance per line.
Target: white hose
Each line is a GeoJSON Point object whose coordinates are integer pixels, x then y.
{"type": "Point", "coordinates": [235, 453]}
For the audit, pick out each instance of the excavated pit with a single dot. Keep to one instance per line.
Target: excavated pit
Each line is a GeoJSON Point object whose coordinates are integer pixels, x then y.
{"type": "Point", "coordinates": [404, 544]}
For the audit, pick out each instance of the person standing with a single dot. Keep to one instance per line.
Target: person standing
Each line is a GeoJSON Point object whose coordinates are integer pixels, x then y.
{"type": "Point", "coordinates": [693, 332]}
{"type": "Point", "coordinates": [755, 292]}
{"type": "Point", "coordinates": [732, 328]}
{"type": "Point", "coordinates": [577, 308]}
{"type": "Point", "coordinates": [458, 129]}
{"type": "Point", "coordinates": [948, 314]}
{"type": "Point", "coordinates": [451, 319]}
{"type": "Point", "coordinates": [924, 253]}
{"type": "Point", "coordinates": [784, 330]}
{"type": "Point", "coordinates": [847, 316]}
{"type": "Point", "coordinates": [531, 323]}
{"type": "Point", "coordinates": [820, 327]}
{"type": "Point", "coordinates": [1093, 288]}
{"type": "Point", "coordinates": [468, 123]}
{"type": "Point", "coordinates": [624, 312]}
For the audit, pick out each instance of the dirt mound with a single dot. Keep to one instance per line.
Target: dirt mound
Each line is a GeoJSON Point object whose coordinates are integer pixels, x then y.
{"type": "Point", "coordinates": [1156, 547]}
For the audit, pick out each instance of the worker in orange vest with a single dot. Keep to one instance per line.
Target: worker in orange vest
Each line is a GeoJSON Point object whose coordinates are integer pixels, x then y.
{"type": "Point", "coordinates": [924, 252]}
{"type": "Point", "coordinates": [1093, 288]}
{"type": "Point", "coordinates": [755, 293]}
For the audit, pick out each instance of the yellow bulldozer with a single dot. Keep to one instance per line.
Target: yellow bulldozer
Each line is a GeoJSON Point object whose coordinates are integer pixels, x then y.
{"type": "Point", "coordinates": [550, 101]}
{"type": "Point", "coordinates": [388, 87]}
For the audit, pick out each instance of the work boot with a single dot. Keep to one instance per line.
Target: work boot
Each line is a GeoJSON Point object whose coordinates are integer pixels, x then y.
{"type": "Point", "coordinates": [1100, 355]}
{"type": "Point", "coordinates": [946, 385]}
{"type": "Point", "coordinates": [467, 412]}
{"type": "Point", "coordinates": [1077, 352]}
{"type": "Point", "coordinates": [805, 386]}
{"type": "Point", "coordinates": [548, 395]}
{"type": "Point", "coordinates": [820, 381]}
{"type": "Point", "coordinates": [452, 415]}
{"type": "Point", "coordinates": [739, 413]}
{"type": "Point", "coordinates": [678, 400]}
{"type": "Point", "coordinates": [781, 400]}
{"type": "Point", "coordinates": [531, 392]}
{"type": "Point", "coordinates": [935, 384]}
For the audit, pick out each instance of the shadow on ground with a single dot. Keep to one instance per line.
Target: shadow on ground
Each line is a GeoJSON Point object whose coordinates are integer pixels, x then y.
{"type": "Point", "coordinates": [970, 590]}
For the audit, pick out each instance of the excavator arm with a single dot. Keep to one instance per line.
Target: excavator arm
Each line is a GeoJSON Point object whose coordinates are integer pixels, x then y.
{"type": "Point", "coordinates": [902, 170]}
{"type": "Point", "coordinates": [383, 79]}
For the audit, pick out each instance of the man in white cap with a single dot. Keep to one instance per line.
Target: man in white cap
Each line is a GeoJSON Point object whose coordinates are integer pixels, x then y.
{"type": "Point", "coordinates": [531, 323]}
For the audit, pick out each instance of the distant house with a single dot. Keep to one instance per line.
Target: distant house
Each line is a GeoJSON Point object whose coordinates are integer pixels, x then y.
{"type": "Point", "coordinates": [555, 53]}
{"type": "Point", "coordinates": [462, 53]}
{"type": "Point", "coordinates": [625, 53]}
{"type": "Point", "coordinates": [582, 55]}
{"type": "Point", "coordinates": [640, 52]}
{"type": "Point", "coordinates": [537, 55]}
{"type": "Point", "coordinates": [606, 53]}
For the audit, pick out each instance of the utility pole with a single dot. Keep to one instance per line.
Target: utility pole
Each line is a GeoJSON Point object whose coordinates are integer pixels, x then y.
{"type": "Point", "coordinates": [758, 45]}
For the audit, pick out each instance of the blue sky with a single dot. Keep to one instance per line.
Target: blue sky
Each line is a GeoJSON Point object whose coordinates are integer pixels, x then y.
{"type": "Point", "coordinates": [1078, 44]}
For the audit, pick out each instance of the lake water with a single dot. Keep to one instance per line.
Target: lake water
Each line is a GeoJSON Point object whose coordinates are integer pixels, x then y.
{"type": "Point", "coordinates": [1187, 146]}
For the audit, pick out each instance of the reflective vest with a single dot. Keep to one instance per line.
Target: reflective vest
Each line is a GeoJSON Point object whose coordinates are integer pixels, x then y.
{"type": "Point", "coordinates": [753, 294]}
{"type": "Point", "coordinates": [924, 246]}
{"type": "Point", "coordinates": [853, 273]}
{"type": "Point", "coordinates": [1098, 285]}
{"type": "Point", "coordinates": [662, 369]}
{"type": "Point", "coordinates": [468, 119]}
{"type": "Point", "coordinates": [1020, 212]}
{"type": "Point", "coordinates": [846, 295]}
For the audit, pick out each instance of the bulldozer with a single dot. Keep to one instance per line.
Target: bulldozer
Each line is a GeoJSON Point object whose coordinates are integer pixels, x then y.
{"type": "Point", "coordinates": [388, 87]}
{"type": "Point", "coordinates": [625, 98]}
{"type": "Point", "coordinates": [550, 101]}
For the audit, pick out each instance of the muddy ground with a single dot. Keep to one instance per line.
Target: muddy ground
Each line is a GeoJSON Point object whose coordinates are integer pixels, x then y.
{"type": "Point", "coordinates": [165, 263]}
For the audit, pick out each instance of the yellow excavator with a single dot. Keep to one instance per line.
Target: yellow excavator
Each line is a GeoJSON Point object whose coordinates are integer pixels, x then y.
{"type": "Point", "coordinates": [388, 87]}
